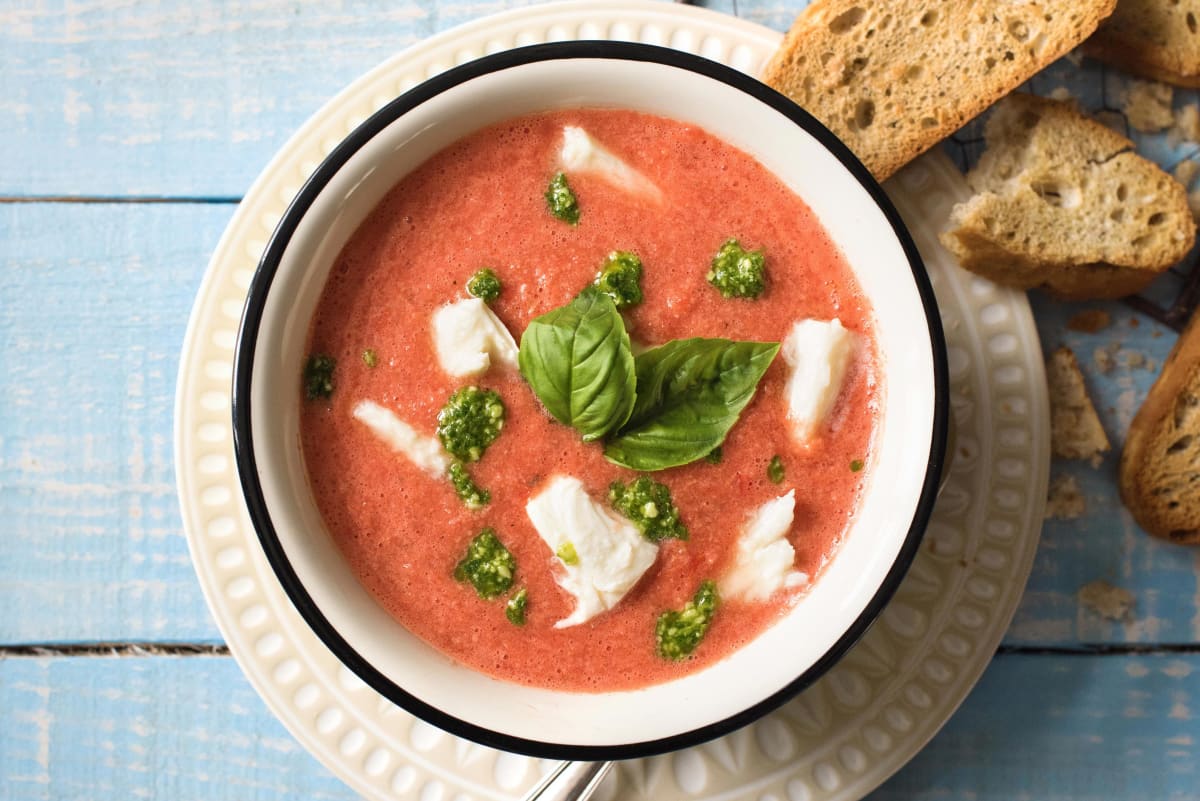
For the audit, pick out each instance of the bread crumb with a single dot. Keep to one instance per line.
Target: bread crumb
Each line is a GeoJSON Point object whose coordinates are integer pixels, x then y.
{"type": "Point", "coordinates": [1061, 93]}
{"type": "Point", "coordinates": [1187, 125]}
{"type": "Point", "coordinates": [1113, 120]}
{"type": "Point", "coordinates": [1133, 359]}
{"type": "Point", "coordinates": [1147, 106]}
{"type": "Point", "coordinates": [1075, 56]}
{"type": "Point", "coordinates": [1107, 601]}
{"type": "Point", "coordinates": [1075, 430]}
{"type": "Point", "coordinates": [1185, 171]}
{"type": "Point", "coordinates": [1103, 358]}
{"type": "Point", "coordinates": [1089, 321]}
{"type": "Point", "coordinates": [1065, 501]}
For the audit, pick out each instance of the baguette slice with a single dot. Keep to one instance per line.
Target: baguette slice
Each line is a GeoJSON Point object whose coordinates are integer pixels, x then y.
{"type": "Point", "coordinates": [1160, 465]}
{"type": "Point", "coordinates": [1155, 38]}
{"type": "Point", "coordinates": [893, 77]}
{"type": "Point", "coordinates": [1064, 203]}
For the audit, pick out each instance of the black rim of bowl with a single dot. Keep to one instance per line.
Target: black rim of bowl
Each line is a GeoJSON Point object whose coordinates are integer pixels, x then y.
{"type": "Point", "coordinates": [252, 318]}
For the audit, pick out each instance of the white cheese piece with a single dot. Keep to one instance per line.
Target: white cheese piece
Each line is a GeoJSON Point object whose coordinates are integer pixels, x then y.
{"type": "Point", "coordinates": [763, 563]}
{"type": "Point", "coordinates": [583, 154]}
{"type": "Point", "coordinates": [612, 554]}
{"type": "Point", "coordinates": [425, 452]}
{"type": "Point", "coordinates": [818, 354]}
{"type": "Point", "coordinates": [468, 337]}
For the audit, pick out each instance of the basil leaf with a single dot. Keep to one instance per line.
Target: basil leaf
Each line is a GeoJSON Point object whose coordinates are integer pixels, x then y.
{"type": "Point", "coordinates": [690, 392]}
{"type": "Point", "coordinates": [578, 361]}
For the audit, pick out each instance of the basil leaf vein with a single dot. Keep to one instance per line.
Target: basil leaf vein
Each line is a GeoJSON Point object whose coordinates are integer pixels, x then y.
{"type": "Point", "coordinates": [690, 392]}
{"type": "Point", "coordinates": [578, 361]}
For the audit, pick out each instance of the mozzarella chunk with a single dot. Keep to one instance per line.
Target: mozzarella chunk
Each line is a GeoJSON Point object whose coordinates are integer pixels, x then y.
{"type": "Point", "coordinates": [817, 353]}
{"type": "Point", "coordinates": [425, 452]}
{"type": "Point", "coordinates": [763, 563]}
{"type": "Point", "coordinates": [583, 154]}
{"type": "Point", "coordinates": [468, 337]}
{"type": "Point", "coordinates": [611, 554]}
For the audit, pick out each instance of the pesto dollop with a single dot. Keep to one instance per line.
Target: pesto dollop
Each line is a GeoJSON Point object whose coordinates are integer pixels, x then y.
{"type": "Point", "coordinates": [561, 200]}
{"type": "Point", "coordinates": [318, 376]}
{"type": "Point", "coordinates": [677, 633]}
{"type": "Point", "coordinates": [648, 505]}
{"type": "Point", "coordinates": [620, 278]}
{"type": "Point", "coordinates": [470, 422]}
{"type": "Point", "coordinates": [370, 358]}
{"type": "Point", "coordinates": [737, 272]}
{"type": "Point", "coordinates": [514, 609]}
{"type": "Point", "coordinates": [487, 566]}
{"type": "Point", "coordinates": [484, 285]}
{"type": "Point", "coordinates": [775, 471]}
{"type": "Point", "coordinates": [856, 465]}
{"type": "Point", "coordinates": [470, 493]}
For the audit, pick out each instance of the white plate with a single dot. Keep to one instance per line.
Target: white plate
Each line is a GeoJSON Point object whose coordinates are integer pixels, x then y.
{"type": "Point", "coordinates": [841, 737]}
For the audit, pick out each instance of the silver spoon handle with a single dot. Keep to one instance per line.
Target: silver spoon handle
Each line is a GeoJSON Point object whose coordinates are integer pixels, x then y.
{"type": "Point", "coordinates": [570, 781]}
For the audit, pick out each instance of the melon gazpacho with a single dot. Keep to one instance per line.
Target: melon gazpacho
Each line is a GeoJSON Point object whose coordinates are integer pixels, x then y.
{"type": "Point", "coordinates": [589, 400]}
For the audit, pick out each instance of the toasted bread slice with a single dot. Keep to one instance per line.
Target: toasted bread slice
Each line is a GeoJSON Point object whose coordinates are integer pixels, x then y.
{"type": "Point", "coordinates": [1075, 429]}
{"type": "Point", "coordinates": [1064, 203]}
{"type": "Point", "coordinates": [1160, 465]}
{"type": "Point", "coordinates": [1156, 38]}
{"type": "Point", "coordinates": [893, 77]}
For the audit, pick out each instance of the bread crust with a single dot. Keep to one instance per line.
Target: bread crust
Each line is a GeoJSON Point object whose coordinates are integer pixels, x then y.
{"type": "Point", "coordinates": [1132, 57]}
{"type": "Point", "coordinates": [893, 77]}
{"type": "Point", "coordinates": [1159, 477]}
{"type": "Point", "coordinates": [1152, 38]}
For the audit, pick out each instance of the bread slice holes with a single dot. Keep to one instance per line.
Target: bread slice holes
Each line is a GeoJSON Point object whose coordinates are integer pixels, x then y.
{"type": "Point", "coordinates": [864, 114]}
{"type": "Point", "coordinates": [1191, 21]}
{"type": "Point", "coordinates": [929, 18]}
{"type": "Point", "coordinates": [1180, 445]}
{"type": "Point", "coordinates": [1122, 192]}
{"type": "Point", "coordinates": [1117, 215]}
{"type": "Point", "coordinates": [1058, 194]}
{"type": "Point", "coordinates": [847, 19]}
{"type": "Point", "coordinates": [988, 63]}
{"type": "Point", "coordinates": [914, 72]}
{"type": "Point", "coordinates": [929, 122]}
{"type": "Point", "coordinates": [1157, 218]}
{"type": "Point", "coordinates": [1018, 30]}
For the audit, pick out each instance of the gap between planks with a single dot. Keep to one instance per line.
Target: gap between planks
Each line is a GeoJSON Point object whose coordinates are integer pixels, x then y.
{"type": "Point", "coordinates": [111, 199]}
{"type": "Point", "coordinates": [155, 649]}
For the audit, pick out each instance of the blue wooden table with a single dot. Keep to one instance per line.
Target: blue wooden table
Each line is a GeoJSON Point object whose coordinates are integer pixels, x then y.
{"type": "Point", "coordinates": [128, 131]}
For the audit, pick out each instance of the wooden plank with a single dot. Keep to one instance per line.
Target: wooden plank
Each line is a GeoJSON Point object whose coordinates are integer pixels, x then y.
{"type": "Point", "coordinates": [157, 99]}
{"type": "Point", "coordinates": [186, 98]}
{"type": "Point", "coordinates": [1066, 728]}
{"type": "Point", "coordinates": [1051, 728]}
{"type": "Point", "coordinates": [156, 727]}
{"type": "Point", "coordinates": [95, 302]}
{"type": "Point", "coordinates": [93, 549]}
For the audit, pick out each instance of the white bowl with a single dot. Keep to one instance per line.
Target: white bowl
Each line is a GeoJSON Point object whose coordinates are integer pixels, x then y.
{"type": "Point", "coordinates": [876, 550]}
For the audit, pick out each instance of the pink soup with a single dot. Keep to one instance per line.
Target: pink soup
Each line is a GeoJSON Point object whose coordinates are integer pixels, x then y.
{"type": "Point", "coordinates": [480, 203]}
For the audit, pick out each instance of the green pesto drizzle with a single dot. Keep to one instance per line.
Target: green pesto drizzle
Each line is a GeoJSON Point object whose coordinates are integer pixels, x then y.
{"type": "Point", "coordinates": [648, 505]}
